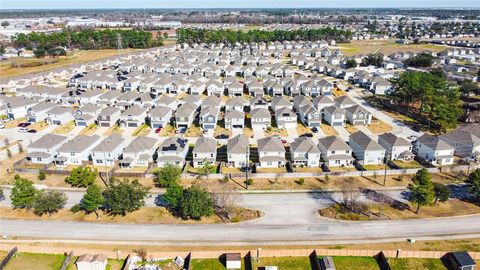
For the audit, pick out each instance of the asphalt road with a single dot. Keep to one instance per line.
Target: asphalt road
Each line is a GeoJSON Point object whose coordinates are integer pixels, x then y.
{"type": "Point", "coordinates": [289, 217]}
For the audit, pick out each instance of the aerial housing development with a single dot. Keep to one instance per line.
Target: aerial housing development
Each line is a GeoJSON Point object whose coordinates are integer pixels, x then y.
{"type": "Point", "coordinates": [240, 139]}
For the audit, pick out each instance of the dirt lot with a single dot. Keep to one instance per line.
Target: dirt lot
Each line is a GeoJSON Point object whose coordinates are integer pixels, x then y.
{"type": "Point", "coordinates": [72, 58]}
{"type": "Point", "coordinates": [385, 46]}
{"type": "Point", "coordinates": [379, 127]}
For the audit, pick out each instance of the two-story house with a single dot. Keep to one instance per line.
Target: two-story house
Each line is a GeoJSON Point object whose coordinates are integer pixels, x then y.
{"type": "Point", "coordinates": [205, 150]}
{"type": "Point", "coordinates": [44, 150]}
{"type": "Point", "coordinates": [304, 152]}
{"type": "Point", "coordinates": [108, 117]}
{"type": "Point", "coordinates": [397, 148]}
{"type": "Point", "coordinates": [238, 151]}
{"type": "Point", "coordinates": [139, 153]}
{"type": "Point", "coordinates": [271, 152]}
{"type": "Point", "coordinates": [434, 149]}
{"type": "Point", "coordinates": [172, 151]}
{"type": "Point", "coordinates": [76, 150]}
{"type": "Point", "coordinates": [108, 151]}
{"type": "Point", "coordinates": [366, 150]}
{"type": "Point", "coordinates": [335, 152]}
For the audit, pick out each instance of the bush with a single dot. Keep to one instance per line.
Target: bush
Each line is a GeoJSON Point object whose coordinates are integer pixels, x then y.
{"type": "Point", "coordinates": [82, 177]}
{"type": "Point", "coordinates": [42, 175]}
{"type": "Point", "coordinates": [167, 176]}
{"type": "Point", "coordinates": [225, 179]}
{"type": "Point", "coordinates": [76, 208]}
{"type": "Point", "coordinates": [249, 181]}
{"type": "Point", "coordinates": [300, 181]}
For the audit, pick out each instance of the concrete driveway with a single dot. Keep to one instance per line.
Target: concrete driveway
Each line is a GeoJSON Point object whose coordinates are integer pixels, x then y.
{"type": "Point", "coordinates": [292, 134]}
{"type": "Point", "coordinates": [342, 132]}
{"type": "Point", "coordinates": [258, 132]}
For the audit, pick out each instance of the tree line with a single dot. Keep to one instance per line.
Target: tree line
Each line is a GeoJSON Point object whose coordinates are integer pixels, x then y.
{"type": "Point", "coordinates": [87, 39]}
{"type": "Point", "coordinates": [430, 95]}
{"type": "Point", "coordinates": [189, 35]}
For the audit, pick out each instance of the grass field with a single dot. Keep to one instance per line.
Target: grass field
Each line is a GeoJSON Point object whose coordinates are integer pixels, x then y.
{"type": "Point", "coordinates": [384, 46]}
{"type": "Point", "coordinates": [416, 264]}
{"type": "Point", "coordinates": [287, 263]}
{"type": "Point", "coordinates": [6, 70]}
{"type": "Point", "coordinates": [209, 264]}
{"type": "Point", "coordinates": [37, 261]}
{"type": "Point", "coordinates": [453, 207]}
{"type": "Point", "coordinates": [357, 263]}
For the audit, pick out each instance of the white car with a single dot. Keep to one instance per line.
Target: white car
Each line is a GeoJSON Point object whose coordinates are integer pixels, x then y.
{"type": "Point", "coordinates": [23, 129]}
{"type": "Point", "coordinates": [2, 126]}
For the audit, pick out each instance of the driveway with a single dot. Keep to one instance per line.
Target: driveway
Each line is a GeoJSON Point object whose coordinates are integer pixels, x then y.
{"type": "Point", "coordinates": [236, 131]}
{"type": "Point", "coordinates": [258, 132]}
{"type": "Point", "coordinates": [342, 132]}
{"type": "Point", "coordinates": [292, 134]}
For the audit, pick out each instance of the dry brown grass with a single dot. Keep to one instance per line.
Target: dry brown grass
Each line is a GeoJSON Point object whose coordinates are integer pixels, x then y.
{"type": "Point", "coordinates": [221, 130]}
{"type": "Point", "coordinates": [379, 127]}
{"type": "Point", "coordinates": [248, 132]}
{"type": "Point", "coordinates": [142, 130]}
{"type": "Point", "coordinates": [193, 131]}
{"type": "Point", "coordinates": [342, 169]}
{"type": "Point", "coordinates": [328, 130]}
{"type": "Point", "coordinates": [114, 129]}
{"type": "Point", "coordinates": [89, 130]}
{"type": "Point", "coordinates": [272, 170]}
{"type": "Point", "coordinates": [302, 129]}
{"type": "Point", "coordinates": [385, 46]}
{"type": "Point", "coordinates": [167, 131]}
{"type": "Point", "coordinates": [276, 131]}
{"type": "Point", "coordinates": [39, 126]}
{"type": "Point", "coordinates": [351, 128]}
{"type": "Point", "coordinates": [453, 207]}
{"type": "Point", "coordinates": [13, 123]}
{"type": "Point", "coordinates": [65, 128]}
{"type": "Point", "coordinates": [307, 169]}
{"type": "Point", "coordinates": [6, 70]}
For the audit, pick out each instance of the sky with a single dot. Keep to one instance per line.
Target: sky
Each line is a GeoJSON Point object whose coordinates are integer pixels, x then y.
{"type": "Point", "coordinates": [92, 4]}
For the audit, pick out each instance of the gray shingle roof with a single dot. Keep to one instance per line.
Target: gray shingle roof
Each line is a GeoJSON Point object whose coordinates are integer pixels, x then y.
{"type": "Point", "coordinates": [205, 145]}
{"type": "Point", "coordinates": [365, 142]}
{"type": "Point", "coordinates": [237, 144]}
{"type": "Point", "coordinates": [270, 144]}
{"type": "Point", "coordinates": [334, 143]}
{"type": "Point", "coordinates": [48, 141]}
{"type": "Point", "coordinates": [79, 144]}
{"type": "Point", "coordinates": [109, 144]}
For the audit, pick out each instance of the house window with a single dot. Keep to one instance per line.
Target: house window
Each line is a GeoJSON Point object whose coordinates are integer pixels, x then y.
{"type": "Point", "coordinates": [332, 152]}
{"type": "Point", "coordinates": [211, 155]}
{"type": "Point", "coordinates": [72, 154]}
{"type": "Point", "coordinates": [195, 155]}
{"type": "Point", "coordinates": [99, 161]}
{"type": "Point", "coordinates": [39, 159]}
{"type": "Point", "coordinates": [269, 163]}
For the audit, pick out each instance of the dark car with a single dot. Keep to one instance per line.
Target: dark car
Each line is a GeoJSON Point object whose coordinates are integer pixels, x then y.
{"type": "Point", "coordinates": [32, 131]}
{"type": "Point", "coordinates": [24, 124]}
{"type": "Point", "coordinates": [222, 136]}
{"type": "Point", "coordinates": [315, 130]}
{"type": "Point", "coordinates": [308, 135]}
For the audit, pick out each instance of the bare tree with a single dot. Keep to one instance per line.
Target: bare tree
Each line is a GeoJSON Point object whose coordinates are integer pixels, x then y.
{"type": "Point", "coordinates": [227, 202]}
{"type": "Point", "coordinates": [142, 253]}
{"type": "Point", "coordinates": [350, 190]}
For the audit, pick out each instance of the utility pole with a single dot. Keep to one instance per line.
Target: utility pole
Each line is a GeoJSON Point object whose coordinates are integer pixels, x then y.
{"type": "Point", "coordinates": [119, 42]}
{"type": "Point", "coordinates": [247, 168]}
{"type": "Point", "coordinates": [385, 171]}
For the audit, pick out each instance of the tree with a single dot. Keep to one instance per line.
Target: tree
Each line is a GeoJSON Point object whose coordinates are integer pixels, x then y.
{"type": "Point", "coordinates": [420, 60]}
{"type": "Point", "coordinates": [39, 53]}
{"type": "Point", "coordinates": [473, 181]}
{"type": "Point", "coordinates": [442, 193]}
{"type": "Point", "coordinates": [375, 59]}
{"type": "Point", "coordinates": [168, 175]}
{"type": "Point", "coordinates": [173, 197]}
{"type": "Point", "coordinates": [92, 199]}
{"type": "Point", "coordinates": [351, 63]}
{"type": "Point", "coordinates": [226, 202]}
{"type": "Point", "coordinates": [9, 153]}
{"type": "Point", "coordinates": [49, 202]}
{"type": "Point", "coordinates": [206, 169]}
{"type": "Point", "coordinates": [350, 190]}
{"type": "Point", "coordinates": [20, 148]}
{"type": "Point", "coordinates": [2, 195]}
{"type": "Point", "coordinates": [422, 189]}
{"type": "Point", "coordinates": [196, 203]}
{"type": "Point", "coordinates": [23, 193]}
{"type": "Point", "coordinates": [123, 197]}
{"type": "Point", "coordinates": [5, 24]}
{"type": "Point", "coordinates": [467, 88]}
{"type": "Point", "coordinates": [82, 177]}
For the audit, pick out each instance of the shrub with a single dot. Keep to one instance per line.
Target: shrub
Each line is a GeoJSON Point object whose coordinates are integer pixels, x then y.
{"type": "Point", "coordinates": [42, 175]}
{"type": "Point", "coordinates": [300, 181]}
{"type": "Point", "coordinates": [76, 208]}
{"type": "Point", "coordinates": [249, 181]}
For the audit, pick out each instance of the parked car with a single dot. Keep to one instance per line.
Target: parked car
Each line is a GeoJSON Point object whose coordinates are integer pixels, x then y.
{"type": "Point", "coordinates": [222, 136]}
{"type": "Point", "coordinates": [32, 131]}
{"type": "Point", "coordinates": [2, 126]}
{"type": "Point", "coordinates": [22, 125]}
{"type": "Point", "coordinates": [284, 141]}
{"type": "Point", "coordinates": [23, 129]}
{"type": "Point", "coordinates": [158, 130]}
{"type": "Point", "coordinates": [180, 130]}
{"type": "Point", "coordinates": [308, 135]}
{"type": "Point", "coordinates": [315, 130]}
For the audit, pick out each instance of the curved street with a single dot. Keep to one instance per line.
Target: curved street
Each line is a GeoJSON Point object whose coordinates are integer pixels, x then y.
{"type": "Point", "coordinates": [289, 217]}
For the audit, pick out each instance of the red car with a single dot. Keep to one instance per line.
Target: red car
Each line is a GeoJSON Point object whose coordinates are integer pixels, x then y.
{"type": "Point", "coordinates": [158, 130]}
{"type": "Point", "coordinates": [284, 141]}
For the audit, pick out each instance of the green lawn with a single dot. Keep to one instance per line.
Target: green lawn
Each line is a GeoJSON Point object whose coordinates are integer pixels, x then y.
{"type": "Point", "coordinates": [37, 261]}
{"type": "Point", "coordinates": [357, 263]}
{"type": "Point", "coordinates": [284, 263]}
{"type": "Point", "coordinates": [209, 264]}
{"type": "Point", "coordinates": [416, 264]}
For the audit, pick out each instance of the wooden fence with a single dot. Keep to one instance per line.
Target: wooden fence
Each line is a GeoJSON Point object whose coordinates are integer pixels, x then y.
{"type": "Point", "coordinates": [8, 257]}
{"type": "Point", "coordinates": [67, 261]}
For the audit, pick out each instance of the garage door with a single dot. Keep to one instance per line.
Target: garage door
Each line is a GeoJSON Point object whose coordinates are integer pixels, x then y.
{"type": "Point", "coordinates": [32, 120]}
{"type": "Point", "coordinates": [132, 125]}
{"type": "Point", "coordinates": [104, 124]}
{"type": "Point", "coordinates": [57, 122]}
{"type": "Point", "coordinates": [156, 125]}
{"type": "Point", "coordinates": [314, 124]}
{"type": "Point", "coordinates": [82, 124]}
{"type": "Point", "coordinates": [209, 126]}
{"type": "Point", "coordinates": [337, 124]}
